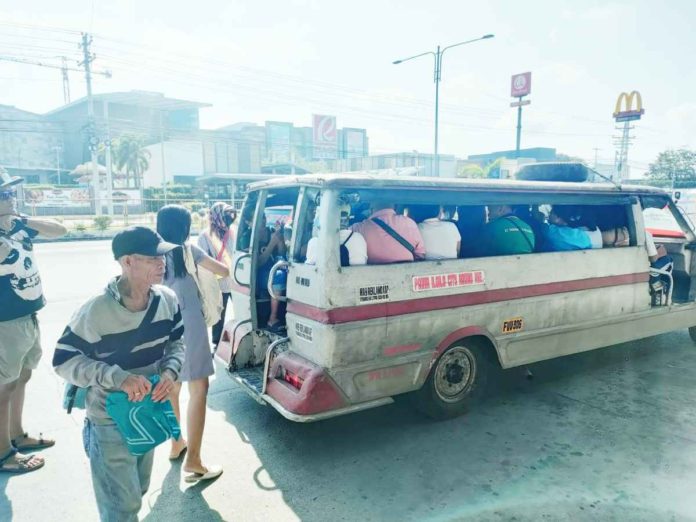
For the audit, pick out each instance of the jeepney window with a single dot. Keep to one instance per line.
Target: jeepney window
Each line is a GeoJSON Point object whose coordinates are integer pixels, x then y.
{"type": "Point", "coordinates": [306, 222]}
{"type": "Point", "coordinates": [549, 223]}
{"type": "Point", "coordinates": [246, 221]}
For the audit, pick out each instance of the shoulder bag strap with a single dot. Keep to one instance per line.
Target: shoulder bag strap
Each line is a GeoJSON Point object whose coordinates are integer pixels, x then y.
{"type": "Point", "coordinates": [393, 233]}
{"type": "Point", "coordinates": [524, 235]}
{"type": "Point", "coordinates": [223, 248]}
{"type": "Point", "coordinates": [347, 239]}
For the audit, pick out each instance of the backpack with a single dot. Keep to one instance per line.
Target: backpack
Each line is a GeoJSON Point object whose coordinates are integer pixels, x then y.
{"type": "Point", "coordinates": [345, 255]}
{"type": "Point", "coordinates": [208, 288]}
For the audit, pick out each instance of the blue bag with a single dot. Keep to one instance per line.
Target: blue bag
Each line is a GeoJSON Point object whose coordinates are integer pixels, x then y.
{"type": "Point", "coordinates": [145, 424]}
{"type": "Point", "coordinates": [74, 397]}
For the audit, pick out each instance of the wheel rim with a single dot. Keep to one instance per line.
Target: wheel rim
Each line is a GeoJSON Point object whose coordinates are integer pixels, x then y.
{"type": "Point", "coordinates": [455, 374]}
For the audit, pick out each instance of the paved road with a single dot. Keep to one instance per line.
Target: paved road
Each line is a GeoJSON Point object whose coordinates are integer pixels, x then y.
{"type": "Point", "coordinates": [609, 435]}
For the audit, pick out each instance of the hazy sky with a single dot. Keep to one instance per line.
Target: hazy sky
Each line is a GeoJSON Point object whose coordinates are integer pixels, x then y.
{"type": "Point", "coordinates": [285, 60]}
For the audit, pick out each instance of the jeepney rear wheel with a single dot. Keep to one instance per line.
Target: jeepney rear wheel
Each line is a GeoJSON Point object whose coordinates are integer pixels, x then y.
{"type": "Point", "coordinates": [458, 379]}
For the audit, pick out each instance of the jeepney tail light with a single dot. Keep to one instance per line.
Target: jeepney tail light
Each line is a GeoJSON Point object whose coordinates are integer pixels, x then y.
{"type": "Point", "coordinates": [294, 380]}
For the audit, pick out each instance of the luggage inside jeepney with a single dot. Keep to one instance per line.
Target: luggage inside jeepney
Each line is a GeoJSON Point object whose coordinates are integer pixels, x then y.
{"type": "Point", "coordinates": [553, 171]}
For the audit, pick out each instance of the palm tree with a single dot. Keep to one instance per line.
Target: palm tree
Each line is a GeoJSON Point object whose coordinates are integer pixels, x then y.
{"type": "Point", "coordinates": [132, 157]}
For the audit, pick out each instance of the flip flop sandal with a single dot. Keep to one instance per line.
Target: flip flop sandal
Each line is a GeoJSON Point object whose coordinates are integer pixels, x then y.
{"type": "Point", "coordinates": [22, 463]}
{"type": "Point", "coordinates": [212, 473]}
{"type": "Point", "coordinates": [41, 444]}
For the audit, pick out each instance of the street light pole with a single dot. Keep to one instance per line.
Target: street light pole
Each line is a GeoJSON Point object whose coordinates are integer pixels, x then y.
{"type": "Point", "coordinates": [437, 77]}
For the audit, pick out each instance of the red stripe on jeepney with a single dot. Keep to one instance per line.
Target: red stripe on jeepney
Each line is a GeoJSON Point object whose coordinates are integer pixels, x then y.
{"type": "Point", "coordinates": [404, 348]}
{"type": "Point", "coordinates": [425, 304]}
{"type": "Point", "coordinates": [665, 232]}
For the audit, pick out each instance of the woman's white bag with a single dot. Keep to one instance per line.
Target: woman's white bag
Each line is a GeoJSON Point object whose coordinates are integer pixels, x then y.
{"type": "Point", "coordinates": [208, 288]}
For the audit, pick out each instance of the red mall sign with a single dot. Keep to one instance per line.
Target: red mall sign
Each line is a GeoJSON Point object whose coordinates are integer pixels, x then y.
{"type": "Point", "coordinates": [521, 84]}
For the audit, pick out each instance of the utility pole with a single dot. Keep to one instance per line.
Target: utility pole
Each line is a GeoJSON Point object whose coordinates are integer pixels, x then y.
{"type": "Point", "coordinates": [66, 81]}
{"type": "Point", "coordinates": [519, 128]}
{"type": "Point", "coordinates": [596, 150]}
{"type": "Point", "coordinates": [88, 57]}
{"type": "Point", "coordinates": [164, 172]}
{"type": "Point", "coordinates": [58, 151]}
{"type": "Point", "coordinates": [107, 160]}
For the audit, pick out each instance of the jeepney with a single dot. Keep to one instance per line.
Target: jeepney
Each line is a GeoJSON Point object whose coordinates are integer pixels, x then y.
{"type": "Point", "coordinates": [357, 336]}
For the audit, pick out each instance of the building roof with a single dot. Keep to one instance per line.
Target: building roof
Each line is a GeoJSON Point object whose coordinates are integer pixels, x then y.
{"type": "Point", "coordinates": [373, 180]}
{"type": "Point", "coordinates": [151, 100]}
{"type": "Point", "coordinates": [221, 177]}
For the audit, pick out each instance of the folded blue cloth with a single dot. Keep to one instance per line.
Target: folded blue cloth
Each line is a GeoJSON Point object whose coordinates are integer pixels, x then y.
{"type": "Point", "coordinates": [145, 424]}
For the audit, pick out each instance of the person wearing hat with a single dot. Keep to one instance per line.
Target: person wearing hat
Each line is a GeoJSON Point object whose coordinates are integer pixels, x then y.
{"type": "Point", "coordinates": [115, 341]}
{"type": "Point", "coordinates": [21, 297]}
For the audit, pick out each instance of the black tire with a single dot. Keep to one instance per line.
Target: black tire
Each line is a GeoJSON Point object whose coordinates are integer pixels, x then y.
{"type": "Point", "coordinates": [692, 333]}
{"type": "Point", "coordinates": [553, 171]}
{"type": "Point", "coordinates": [458, 379]}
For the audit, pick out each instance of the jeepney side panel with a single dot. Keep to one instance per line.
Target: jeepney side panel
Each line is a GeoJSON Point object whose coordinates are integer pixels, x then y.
{"type": "Point", "coordinates": [377, 344]}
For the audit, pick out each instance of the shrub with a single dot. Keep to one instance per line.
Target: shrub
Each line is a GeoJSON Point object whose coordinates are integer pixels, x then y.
{"type": "Point", "coordinates": [80, 227]}
{"type": "Point", "coordinates": [101, 223]}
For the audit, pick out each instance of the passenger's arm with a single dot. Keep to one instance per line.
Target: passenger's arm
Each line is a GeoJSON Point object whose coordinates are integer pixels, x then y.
{"type": "Point", "coordinates": [49, 228]}
{"type": "Point", "coordinates": [207, 262]}
{"type": "Point", "coordinates": [215, 266]}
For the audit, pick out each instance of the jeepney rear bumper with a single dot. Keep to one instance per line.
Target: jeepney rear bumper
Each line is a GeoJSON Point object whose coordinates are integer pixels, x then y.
{"type": "Point", "coordinates": [317, 398]}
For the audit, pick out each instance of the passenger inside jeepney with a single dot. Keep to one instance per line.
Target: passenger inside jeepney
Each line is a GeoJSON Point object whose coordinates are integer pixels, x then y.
{"type": "Point", "coordinates": [563, 231]}
{"type": "Point", "coordinates": [505, 234]}
{"type": "Point", "coordinates": [352, 245]}
{"type": "Point", "coordinates": [470, 222]}
{"type": "Point", "coordinates": [272, 248]}
{"type": "Point", "coordinates": [441, 238]}
{"type": "Point", "coordinates": [390, 237]}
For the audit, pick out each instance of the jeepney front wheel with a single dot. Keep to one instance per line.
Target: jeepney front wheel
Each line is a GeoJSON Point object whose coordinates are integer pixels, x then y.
{"type": "Point", "coordinates": [458, 378]}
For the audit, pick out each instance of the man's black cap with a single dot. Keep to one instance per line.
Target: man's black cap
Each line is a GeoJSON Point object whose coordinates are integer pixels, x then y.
{"type": "Point", "coordinates": [140, 240]}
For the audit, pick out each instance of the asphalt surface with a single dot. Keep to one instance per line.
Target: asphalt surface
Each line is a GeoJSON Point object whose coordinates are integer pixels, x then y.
{"type": "Point", "coordinates": [607, 435]}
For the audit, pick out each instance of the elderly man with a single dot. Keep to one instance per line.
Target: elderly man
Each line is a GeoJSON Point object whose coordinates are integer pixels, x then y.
{"type": "Point", "coordinates": [21, 297]}
{"type": "Point", "coordinates": [115, 341]}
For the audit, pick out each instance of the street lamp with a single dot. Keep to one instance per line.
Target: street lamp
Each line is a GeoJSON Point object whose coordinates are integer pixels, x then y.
{"type": "Point", "coordinates": [438, 70]}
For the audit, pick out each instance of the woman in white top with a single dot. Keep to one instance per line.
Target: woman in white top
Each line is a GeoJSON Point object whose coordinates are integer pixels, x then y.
{"type": "Point", "coordinates": [441, 238]}
{"type": "Point", "coordinates": [218, 243]}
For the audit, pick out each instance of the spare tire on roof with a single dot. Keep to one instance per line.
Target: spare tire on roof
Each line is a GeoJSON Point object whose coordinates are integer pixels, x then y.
{"type": "Point", "coordinates": [556, 171]}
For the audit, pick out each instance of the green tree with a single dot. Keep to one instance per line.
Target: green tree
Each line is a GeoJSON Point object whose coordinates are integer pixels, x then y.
{"type": "Point", "coordinates": [473, 170]}
{"type": "Point", "coordinates": [674, 167]}
{"type": "Point", "coordinates": [132, 157]}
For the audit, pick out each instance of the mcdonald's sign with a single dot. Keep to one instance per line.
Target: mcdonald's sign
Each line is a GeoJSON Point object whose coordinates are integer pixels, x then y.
{"type": "Point", "coordinates": [625, 111]}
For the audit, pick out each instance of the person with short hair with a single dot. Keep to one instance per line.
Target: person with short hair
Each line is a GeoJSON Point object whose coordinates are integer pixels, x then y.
{"type": "Point", "coordinates": [505, 234]}
{"type": "Point", "coordinates": [174, 225]}
{"type": "Point", "coordinates": [441, 238]}
{"type": "Point", "coordinates": [558, 235]}
{"type": "Point", "coordinates": [110, 345]}
{"type": "Point", "coordinates": [403, 241]}
{"type": "Point", "coordinates": [352, 244]}
{"type": "Point", "coordinates": [21, 297]}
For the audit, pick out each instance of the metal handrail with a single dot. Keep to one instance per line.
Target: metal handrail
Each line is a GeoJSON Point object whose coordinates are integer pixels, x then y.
{"type": "Point", "coordinates": [269, 286]}
{"type": "Point", "coordinates": [267, 362]}
{"type": "Point", "coordinates": [234, 272]}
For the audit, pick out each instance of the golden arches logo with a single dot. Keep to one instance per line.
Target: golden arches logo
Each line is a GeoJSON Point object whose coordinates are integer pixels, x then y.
{"type": "Point", "coordinates": [626, 100]}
